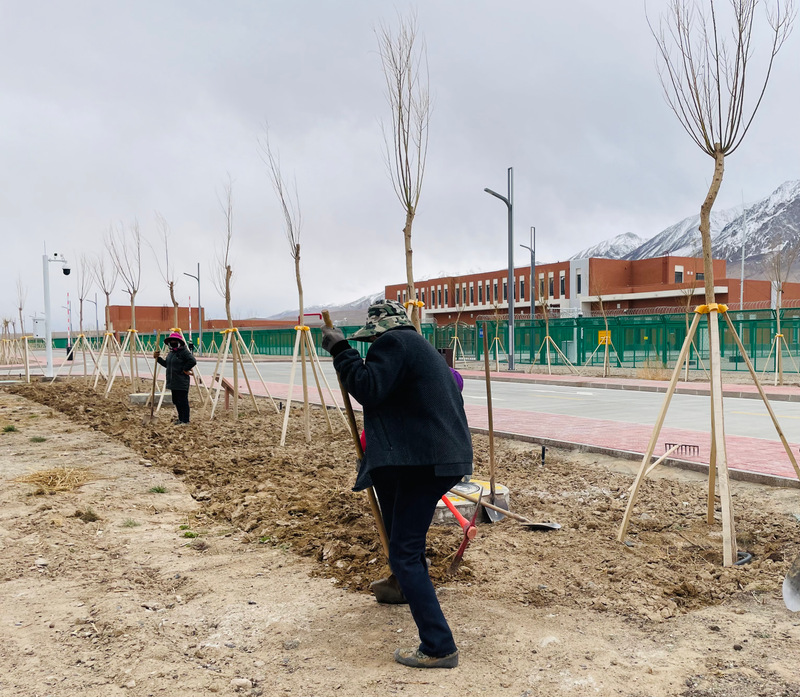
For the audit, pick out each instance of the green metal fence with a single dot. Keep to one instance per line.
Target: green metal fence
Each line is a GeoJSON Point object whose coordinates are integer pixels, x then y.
{"type": "Point", "coordinates": [637, 341]}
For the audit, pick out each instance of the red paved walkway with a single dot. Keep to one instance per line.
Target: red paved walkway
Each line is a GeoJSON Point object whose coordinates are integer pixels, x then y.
{"type": "Point", "coordinates": [747, 454]}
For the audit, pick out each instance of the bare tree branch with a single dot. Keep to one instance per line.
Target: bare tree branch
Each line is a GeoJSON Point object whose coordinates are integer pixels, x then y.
{"type": "Point", "coordinates": [22, 295]}
{"type": "Point", "coordinates": [222, 272]}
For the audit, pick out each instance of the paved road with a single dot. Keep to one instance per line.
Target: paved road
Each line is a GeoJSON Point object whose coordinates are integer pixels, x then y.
{"type": "Point", "coordinates": [743, 417]}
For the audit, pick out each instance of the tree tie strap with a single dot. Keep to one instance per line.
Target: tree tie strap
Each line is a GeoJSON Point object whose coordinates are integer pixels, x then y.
{"type": "Point", "coordinates": [417, 303]}
{"type": "Point", "coordinates": [711, 307]}
{"type": "Point", "coordinates": [298, 328]}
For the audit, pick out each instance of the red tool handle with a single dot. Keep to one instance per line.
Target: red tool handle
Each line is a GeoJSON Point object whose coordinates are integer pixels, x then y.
{"type": "Point", "coordinates": [469, 529]}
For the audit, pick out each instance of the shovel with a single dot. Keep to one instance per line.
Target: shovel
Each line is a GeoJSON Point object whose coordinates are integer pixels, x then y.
{"type": "Point", "coordinates": [148, 419]}
{"type": "Point", "coordinates": [469, 534]}
{"type": "Point", "coordinates": [494, 512]}
{"type": "Point", "coordinates": [791, 586]}
{"type": "Point", "coordinates": [519, 518]}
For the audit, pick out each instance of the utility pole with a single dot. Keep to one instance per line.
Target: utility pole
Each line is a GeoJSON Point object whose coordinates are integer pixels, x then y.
{"type": "Point", "coordinates": [509, 201]}
{"type": "Point", "coordinates": [532, 250]}
{"type": "Point", "coordinates": [741, 280]}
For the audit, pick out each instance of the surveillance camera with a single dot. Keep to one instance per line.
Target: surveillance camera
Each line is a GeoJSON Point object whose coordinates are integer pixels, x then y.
{"type": "Point", "coordinates": [66, 269]}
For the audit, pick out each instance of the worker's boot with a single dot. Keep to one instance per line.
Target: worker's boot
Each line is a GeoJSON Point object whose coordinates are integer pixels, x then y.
{"type": "Point", "coordinates": [416, 659]}
{"type": "Point", "coordinates": [387, 590]}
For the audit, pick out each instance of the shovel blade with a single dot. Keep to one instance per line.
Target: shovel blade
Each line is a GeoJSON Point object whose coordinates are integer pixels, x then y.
{"type": "Point", "coordinates": [541, 526]}
{"type": "Point", "coordinates": [791, 587]}
{"type": "Point", "coordinates": [491, 516]}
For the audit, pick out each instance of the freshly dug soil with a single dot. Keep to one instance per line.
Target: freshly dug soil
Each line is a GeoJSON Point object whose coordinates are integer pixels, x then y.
{"type": "Point", "coordinates": [298, 497]}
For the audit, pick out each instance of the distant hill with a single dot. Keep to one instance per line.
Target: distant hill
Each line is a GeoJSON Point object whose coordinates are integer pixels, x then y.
{"type": "Point", "coordinates": [616, 248]}
{"type": "Point", "coordinates": [354, 312]}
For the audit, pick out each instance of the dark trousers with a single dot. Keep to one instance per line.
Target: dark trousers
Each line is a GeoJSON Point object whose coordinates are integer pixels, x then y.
{"type": "Point", "coordinates": [408, 497]}
{"type": "Point", "coordinates": [180, 398]}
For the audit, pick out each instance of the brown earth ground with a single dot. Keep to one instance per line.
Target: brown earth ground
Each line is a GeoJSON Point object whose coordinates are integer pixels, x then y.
{"type": "Point", "coordinates": [253, 561]}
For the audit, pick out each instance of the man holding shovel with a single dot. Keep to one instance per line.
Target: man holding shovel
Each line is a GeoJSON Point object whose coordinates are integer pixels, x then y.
{"type": "Point", "coordinates": [419, 448]}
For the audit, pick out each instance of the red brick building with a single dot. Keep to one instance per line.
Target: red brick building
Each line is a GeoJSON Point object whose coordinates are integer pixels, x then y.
{"type": "Point", "coordinates": [151, 319]}
{"type": "Point", "coordinates": [577, 286]}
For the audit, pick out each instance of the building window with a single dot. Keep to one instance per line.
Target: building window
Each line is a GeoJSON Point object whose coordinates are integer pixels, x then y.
{"type": "Point", "coordinates": [578, 282]}
{"type": "Point", "coordinates": [423, 296]}
{"type": "Point", "coordinates": [398, 296]}
{"type": "Point", "coordinates": [439, 304]}
{"type": "Point", "coordinates": [464, 293]}
{"type": "Point", "coordinates": [541, 286]}
{"type": "Point", "coordinates": [495, 291]}
{"type": "Point", "coordinates": [458, 296]}
{"type": "Point", "coordinates": [678, 274]}
{"type": "Point", "coordinates": [522, 288]}
{"type": "Point", "coordinates": [700, 276]}
{"type": "Point", "coordinates": [562, 286]}
{"type": "Point", "coordinates": [404, 296]}
{"type": "Point", "coordinates": [505, 290]}
{"type": "Point", "coordinates": [480, 294]}
{"type": "Point", "coordinates": [446, 300]}
{"type": "Point", "coordinates": [488, 293]}
{"type": "Point", "coordinates": [472, 295]}
{"type": "Point", "coordinates": [550, 285]}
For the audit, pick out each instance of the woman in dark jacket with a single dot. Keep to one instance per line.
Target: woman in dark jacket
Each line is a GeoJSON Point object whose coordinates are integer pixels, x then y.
{"type": "Point", "coordinates": [419, 448]}
{"type": "Point", "coordinates": [179, 364]}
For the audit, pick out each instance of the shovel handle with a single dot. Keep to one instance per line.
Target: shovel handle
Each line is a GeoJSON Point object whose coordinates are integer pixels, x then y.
{"type": "Point", "coordinates": [469, 529]}
{"type": "Point", "coordinates": [515, 516]}
{"type": "Point", "coordinates": [351, 420]}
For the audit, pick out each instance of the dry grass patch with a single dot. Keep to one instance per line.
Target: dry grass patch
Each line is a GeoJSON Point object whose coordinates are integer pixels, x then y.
{"type": "Point", "coordinates": [58, 479]}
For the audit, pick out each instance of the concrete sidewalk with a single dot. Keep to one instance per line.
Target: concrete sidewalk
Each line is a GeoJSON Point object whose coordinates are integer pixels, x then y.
{"type": "Point", "coordinates": [784, 393]}
{"type": "Point", "coordinates": [749, 459]}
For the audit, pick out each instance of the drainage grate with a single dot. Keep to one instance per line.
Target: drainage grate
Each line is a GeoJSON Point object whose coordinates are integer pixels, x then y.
{"type": "Point", "coordinates": [683, 448]}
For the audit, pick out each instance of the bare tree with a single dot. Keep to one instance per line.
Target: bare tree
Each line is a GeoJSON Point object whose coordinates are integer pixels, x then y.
{"type": "Point", "coordinates": [293, 223]}
{"type": "Point", "coordinates": [83, 278]}
{"type": "Point", "coordinates": [777, 267]}
{"type": "Point", "coordinates": [704, 75]}
{"type": "Point", "coordinates": [688, 290]}
{"type": "Point", "coordinates": [596, 289]}
{"type": "Point", "coordinates": [106, 276]}
{"type": "Point", "coordinates": [125, 249]}
{"type": "Point", "coordinates": [167, 271]}
{"type": "Point", "coordinates": [22, 295]}
{"type": "Point", "coordinates": [221, 277]}
{"type": "Point", "coordinates": [405, 69]}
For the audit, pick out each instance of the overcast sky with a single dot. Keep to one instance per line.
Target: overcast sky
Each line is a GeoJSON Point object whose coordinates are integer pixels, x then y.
{"type": "Point", "coordinates": [113, 111]}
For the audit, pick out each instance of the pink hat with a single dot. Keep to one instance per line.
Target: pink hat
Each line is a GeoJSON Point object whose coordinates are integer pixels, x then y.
{"type": "Point", "coordinates": [175, 335]}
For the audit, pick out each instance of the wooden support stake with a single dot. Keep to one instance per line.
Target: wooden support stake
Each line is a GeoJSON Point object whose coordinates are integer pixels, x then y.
{"type": "Point", "coordinates": [307, 341]}
{"type": "Point", "coordinates": [651, 446]}
{"type": "Point", "coordinates": [291, 386]}
{"type": "Point", "coordinates": [325, 380]}
{"type": "Point", "coordinates": [227, 346]}
{"type": "Point", "coordinates": [258, 372]}
{"type": "Point", "coordinates": [764, 398]}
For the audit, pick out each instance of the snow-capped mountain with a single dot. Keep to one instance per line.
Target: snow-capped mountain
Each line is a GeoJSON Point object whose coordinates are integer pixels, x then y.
{"type": "Point", "coordinates": [354, 307]}
{"type": "Point", "coordinates": [616, 248]}
{"type": "Point", "coordinates": [683, 238]}
{"type": "Point", "coordinates": [767, 224]}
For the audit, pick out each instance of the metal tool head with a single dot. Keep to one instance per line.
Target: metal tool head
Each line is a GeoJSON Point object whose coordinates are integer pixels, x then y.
{"type": "Point", "coordinates": [541, 526]}
{"type": "Point", "coordinates": [791, 586]}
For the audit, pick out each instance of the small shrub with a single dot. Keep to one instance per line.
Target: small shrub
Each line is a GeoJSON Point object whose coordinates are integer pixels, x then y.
{"type": "Point", "coordinates": [130, 523]}
{"type": "Point", "coordinates": [183, 527]}
{"type": "Point", "coordinates": [190, 534]}
{"type": "Point", "coordinates": [38, 439]}
{"type": "Point", "coordinates": [9, 429]}
{"type": "Point", "coordinates": [158, 489]}
{"type": "Point", "coordinates": [87, 516]}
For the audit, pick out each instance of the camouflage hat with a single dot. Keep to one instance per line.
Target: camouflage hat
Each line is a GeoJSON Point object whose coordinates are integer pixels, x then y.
{"type": "Point", "coordinates": [381, 317]}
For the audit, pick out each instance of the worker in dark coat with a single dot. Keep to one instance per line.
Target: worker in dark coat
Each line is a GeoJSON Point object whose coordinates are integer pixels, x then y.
{"type": "Point", "coordinates": [419, 448]}
{"type": "Point", "coordinates": [179, 363]}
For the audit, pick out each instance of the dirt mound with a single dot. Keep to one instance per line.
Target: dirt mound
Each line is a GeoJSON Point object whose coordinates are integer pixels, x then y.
{"type": "Point", "coordinates": [298, 497]}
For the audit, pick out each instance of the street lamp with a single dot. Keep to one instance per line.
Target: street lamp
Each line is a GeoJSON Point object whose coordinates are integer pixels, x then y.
{"type": "Point", "coordinates": [532, 250]}
{"type": "Point", "coordinates": [199, 306]}
{"type": "Point", "coordinates": [510, 205]}
{"type": "Point", "coordinates": [48, 334]}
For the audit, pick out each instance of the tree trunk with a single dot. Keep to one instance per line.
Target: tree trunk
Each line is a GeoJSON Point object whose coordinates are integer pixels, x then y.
{"type": "Point", "coordinates": [132, 345]}
{"type": "Point", "coordinates": [705, 224]}
{"type": "Point", "coordinates": [228, 274]}
{"type": "Point", "coordinates": [778, 337]}
{"type": "Point", "coordinates": [300, 323]}
{"type": "Point", "coordinates": [174, 304]}
{"type": "Point", "coordinates": [410, 290]}
{"type": "Point", "coordinates": [108, 325]}
{"type": "Point", "coordinates": [21, 323]}
{"type": "Point", "coordinates": [608, 340]}
{"type": "Point", "coordinates": [82, 338]}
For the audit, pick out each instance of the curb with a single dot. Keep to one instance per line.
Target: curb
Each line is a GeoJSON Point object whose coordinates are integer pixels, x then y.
{"type": "Point", "coordinates": [696, 391]}
{"type": "Point", "coordinates": [736, 474]}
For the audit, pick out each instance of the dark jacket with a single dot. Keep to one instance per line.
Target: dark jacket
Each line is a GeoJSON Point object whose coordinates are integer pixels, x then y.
{"type": "Point", "coordinates": [175, 363]}
{"type": "Point", "coordinates": [413, 410]}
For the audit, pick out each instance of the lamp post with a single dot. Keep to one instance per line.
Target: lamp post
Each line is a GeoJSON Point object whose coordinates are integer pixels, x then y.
{"type": "Point", "coordinates": [532, 250]}
{"type": "Point", "coordinates": [199, 308]}
{"type": "Point", "coordinates": [509, 201]}
{"type": "Point", "coordinates": [48, 333]}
